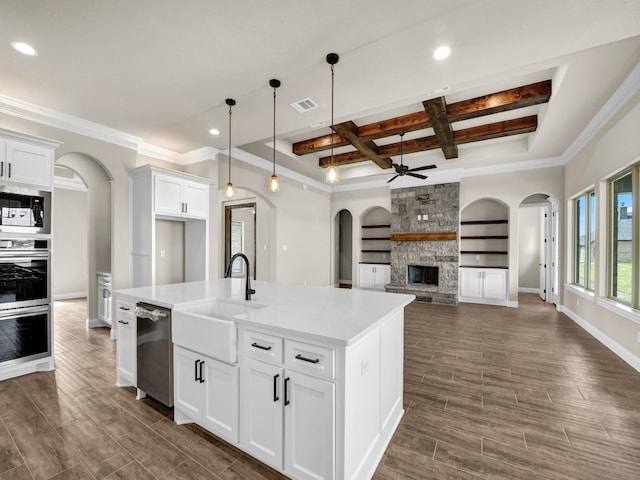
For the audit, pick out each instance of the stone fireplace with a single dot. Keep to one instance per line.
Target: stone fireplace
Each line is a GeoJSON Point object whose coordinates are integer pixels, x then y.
{"type": "Point", "coordinates": [424, 242]}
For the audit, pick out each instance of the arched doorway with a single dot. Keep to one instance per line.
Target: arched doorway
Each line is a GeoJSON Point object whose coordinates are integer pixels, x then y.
{"type": "Point", "coordinates": [538, 246]}
{"type": "Point", "coordinates": [96, 211]}
{"type": "Point", "coordinates": [344, 237]}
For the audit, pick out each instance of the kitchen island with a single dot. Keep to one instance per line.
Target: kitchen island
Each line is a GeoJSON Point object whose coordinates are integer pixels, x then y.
{"type": "Point", "coordinates": [306, 379]}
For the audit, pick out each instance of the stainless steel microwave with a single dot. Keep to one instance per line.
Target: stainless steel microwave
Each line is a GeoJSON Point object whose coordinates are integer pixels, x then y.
{"type": "Point", "coordinates": [24, 210]}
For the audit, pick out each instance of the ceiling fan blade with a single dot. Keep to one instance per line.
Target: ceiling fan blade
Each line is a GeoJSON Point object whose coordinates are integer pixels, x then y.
{"type": "Point", "coordinates": [426, 167]}
{"type": "Point", "coordinates": [417, 175]}
{"type": "Point", "coordinates": [392, 178]}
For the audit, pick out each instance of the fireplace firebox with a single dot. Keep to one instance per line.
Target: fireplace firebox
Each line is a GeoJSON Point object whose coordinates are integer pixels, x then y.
{"type": "Point", "coordinates": [424, 275]}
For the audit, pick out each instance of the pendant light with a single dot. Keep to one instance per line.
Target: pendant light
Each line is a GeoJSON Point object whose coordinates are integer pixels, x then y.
{"type": "Point", "coordinates": [229, 191]}
{"type": "Point", "coordinates": [274, 183]}
{"type": "Point", "coordinates": [331, 175]}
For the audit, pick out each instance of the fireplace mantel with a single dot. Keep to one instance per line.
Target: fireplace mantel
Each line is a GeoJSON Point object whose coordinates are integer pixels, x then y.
{"type": "Point", "coordinates": [419, 237]}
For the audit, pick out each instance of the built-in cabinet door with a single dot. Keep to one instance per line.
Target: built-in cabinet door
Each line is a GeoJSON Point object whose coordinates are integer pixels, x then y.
{"type": "Point", "coordinates": [28, 164]}
{"type": "Point", "coordinates": [168, 195]}
{"type": "Point", "coordinates": [220, 413]}
{"type": "Point", "coordinates": [187, 389]}
{"type": "Point", "coordinates": [471, 282]}
{"type": "Point", "coordinates": [309, 427]}
{"type": "Point", "coordinates": [382, 276]}
{"type": "Point", "coordinates": [126, 348]}
{"type": "Point", "coordinates": [495, 284]}
{"type": "Point", "coordinates": [196, 199]}
{"type": "Point", "coordinates": [262, 415]}
{"type": "Point", "coordinates": [367, 276]}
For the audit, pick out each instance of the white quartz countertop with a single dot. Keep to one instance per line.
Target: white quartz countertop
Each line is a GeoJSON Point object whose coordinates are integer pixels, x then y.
{"type": "Point", "coordinates": [334, 315]}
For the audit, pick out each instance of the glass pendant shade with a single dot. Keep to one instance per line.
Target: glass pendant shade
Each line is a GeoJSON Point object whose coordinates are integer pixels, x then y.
{"type": "Point", "coordinates": [331, 175]}
{"type": "Point", "coordinates": [274, 184]}
{"type": "Point", "coordinates": [229, 191]}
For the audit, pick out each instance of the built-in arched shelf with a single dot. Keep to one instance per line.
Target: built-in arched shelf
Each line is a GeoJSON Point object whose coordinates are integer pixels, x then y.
{"type": "Point", "coordinates": [484, 252]}
{"type": "Point", "coordinates": [375, 249]}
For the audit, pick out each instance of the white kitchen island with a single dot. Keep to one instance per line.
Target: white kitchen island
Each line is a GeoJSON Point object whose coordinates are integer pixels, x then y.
{"type": "Point", "coordinates": [306, 379]}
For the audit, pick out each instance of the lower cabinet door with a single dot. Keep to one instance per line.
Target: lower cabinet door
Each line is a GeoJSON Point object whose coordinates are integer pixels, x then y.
{"type": "Point", "coordinates": [366, 276]}
{"type": "Point", "coordinates": [309, 427]}
{"type": "Point", "coordinates": [471, 282]}
{"type": "Point", "coordinates": [261, 407]}
{"type": "Point", "coordinates": [126, 350]}
{"type": "Point", "coordinates": [220, 413]}
{"type": "Point", "coordinates": [187, 386]}
{"type": "Point", "coordinates": [495, 284]}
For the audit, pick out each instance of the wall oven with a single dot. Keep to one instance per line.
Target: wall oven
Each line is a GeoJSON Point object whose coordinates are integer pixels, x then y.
{"type": "Point", "coordinates": [24, 273]}
{"type": "Point", "coordinates": [24, 334]}
{"type": "Point", "coordinates": [25, 300]}
{"type": "Point", "coordinates": [24, 210]}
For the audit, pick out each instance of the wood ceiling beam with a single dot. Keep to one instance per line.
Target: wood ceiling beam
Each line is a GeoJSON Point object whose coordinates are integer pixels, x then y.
{"type": "Point", "coordinates": [467, 135]}
{"type": "Point", "coordinates": [511, 99]}
{"type": "Point", "coordinates": [436, 109]}
{"type": "Point", "coordinates": [349, 131]}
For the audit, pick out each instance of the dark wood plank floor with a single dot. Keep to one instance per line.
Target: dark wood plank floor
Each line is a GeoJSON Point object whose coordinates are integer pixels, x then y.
{"type": "Point", "coordinates": [490, 393]}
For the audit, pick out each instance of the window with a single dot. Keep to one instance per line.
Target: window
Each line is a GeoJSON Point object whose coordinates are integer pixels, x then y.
{"type": "Point", "coordinates": [623, 255]}
{"type": "Point", "coordinates": [585, 235]}
{"type": "Point", "coordinates": [237, 244]}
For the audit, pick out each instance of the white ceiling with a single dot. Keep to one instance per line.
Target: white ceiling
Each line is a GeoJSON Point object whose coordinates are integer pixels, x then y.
{"type": "Point", "coordinates": [161, 70]}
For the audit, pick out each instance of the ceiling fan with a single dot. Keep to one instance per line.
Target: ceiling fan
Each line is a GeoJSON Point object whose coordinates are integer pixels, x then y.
{"type": "Point", "coordinates": [402, 169]}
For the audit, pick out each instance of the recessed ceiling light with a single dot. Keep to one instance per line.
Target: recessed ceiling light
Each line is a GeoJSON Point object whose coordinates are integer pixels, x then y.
{"type": "Point", "coordinates": [442, 52]}
{"type": "Point", "coordinates": [24, 48]}
{"type": "Point", "coordinates": [214, 131]}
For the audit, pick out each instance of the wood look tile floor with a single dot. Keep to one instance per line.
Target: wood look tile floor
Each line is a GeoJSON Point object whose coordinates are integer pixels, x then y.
{"type": "Point", "coordinates": [490, 393]}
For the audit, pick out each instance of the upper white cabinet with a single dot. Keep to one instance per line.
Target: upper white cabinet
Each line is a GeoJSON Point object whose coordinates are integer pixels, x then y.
{"type": "Point", "coordinates": [26, 160]}
{"type": "Point", "coordinates": [180, 197]}
{"type": "Point", "coordinates": [158, 194]}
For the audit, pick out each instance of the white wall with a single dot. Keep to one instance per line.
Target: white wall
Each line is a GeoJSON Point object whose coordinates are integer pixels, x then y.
{"type": "Point", "coordinates": [614, 148]}
{"type": "Point", "coordinates": [511, 188]}
{"type": "Point", "coordinates": [170, 240]}
{"type": "Point", "coordinates": [529, 232]}
{"type": "Point", "coordinates": [70, 267]}
{"type": "Point", "coordinates": [299, 223]}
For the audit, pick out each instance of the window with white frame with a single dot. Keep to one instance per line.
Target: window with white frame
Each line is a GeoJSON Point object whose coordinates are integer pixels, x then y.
{"type": "Point", "coordinates": [623, 256]}
{"type": "Point", "coordinates": [584, 240]}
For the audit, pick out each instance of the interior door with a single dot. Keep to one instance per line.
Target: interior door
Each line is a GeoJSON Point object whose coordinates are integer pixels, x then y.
{"type": "Point", "coordinates": [542, 265]}
{"type": "Point", "coordinates": [240, 229]}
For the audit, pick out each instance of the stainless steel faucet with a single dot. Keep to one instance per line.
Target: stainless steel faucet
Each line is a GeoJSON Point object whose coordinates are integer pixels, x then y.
{"type": "Point", "coordinates": [248, 290]}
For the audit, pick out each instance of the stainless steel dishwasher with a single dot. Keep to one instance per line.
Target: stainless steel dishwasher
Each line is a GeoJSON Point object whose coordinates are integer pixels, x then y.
{"type": "Point", "coordinates": [154, 353]}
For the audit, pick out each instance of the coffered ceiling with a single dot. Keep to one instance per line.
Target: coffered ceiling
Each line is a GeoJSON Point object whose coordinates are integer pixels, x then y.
{"type": "Point", "coordinates": [162, 70]}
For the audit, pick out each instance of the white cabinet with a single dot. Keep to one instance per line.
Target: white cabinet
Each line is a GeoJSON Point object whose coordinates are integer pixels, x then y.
{"type": "Point", "coordinates": [162, 194]}
{"type": "Point", "coordinates": [206, 392]}
{"type": "Point", "coordinates": [126, 347]}
{"type": "Point", "coordinates": [483, 285]}
{"type": "Point", "coordinates": [26, 164]}
{"type": "Point", "coordinates": [374, 276]}
{"type": "Point", "coordinates": [288, 416]}
{"type": "Point", "coordinates": [179, 197]}
{"type": "Point", "coordinates": [309, 427]}
{"type": "Point", "coordinates": [104, 298]}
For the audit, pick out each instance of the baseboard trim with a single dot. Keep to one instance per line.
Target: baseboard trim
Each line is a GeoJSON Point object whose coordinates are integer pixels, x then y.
{"type": "Point", "coordinates": [615, 347]}
{"type": "Point", "coordinates": [69, 296]}
{"type": "Point", "coordinates": [96, 322]}
{"type": "Point", "coordinates": [486, 301]}
{"type": "Point", "coordinates": [528, 290]}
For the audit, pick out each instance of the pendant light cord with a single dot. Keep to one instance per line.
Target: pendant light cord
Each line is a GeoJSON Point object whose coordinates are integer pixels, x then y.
{"type": "Point", "coordinates": [274, 130]}
{"type": "Point", "coordinates": [332, 131]}
{"type": "Point", "coordinates": [230, 143]}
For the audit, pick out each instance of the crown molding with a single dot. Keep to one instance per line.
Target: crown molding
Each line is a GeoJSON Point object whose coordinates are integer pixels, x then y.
{"type": "Point", "coordinates": [198, 155]}
{"type": "Point", "coordinates": [620, 97]}
{"type": "Point", "coordinates": [46, 116]}
{"type": "Point", "coordinates": [157, 152]}
{"type": "Point", "coordinates": [267, 165]}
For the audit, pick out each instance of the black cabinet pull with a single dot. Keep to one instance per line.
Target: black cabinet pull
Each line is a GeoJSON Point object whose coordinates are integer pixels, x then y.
{"type": "Point", "coordinates": [286, 392]}
{"type": "Point", "coordinates": [261, 347]}
{"type": "Point", "coordinates": [275, 387]}
{"type": "Point", "coordinates": [201, 377]}
{"type": "Point", "coordinates": [196, 370]}
{"type": "Point", "coordinates": [126, 309]}
{"type": "Point", "coordinates": [123, 322]}
{"type": "Point", "coordinates": [9, 165]}
{"type": "Point", "coordinates": [305, 359]}
{"type": "Point", "coordinates": [1, 169]}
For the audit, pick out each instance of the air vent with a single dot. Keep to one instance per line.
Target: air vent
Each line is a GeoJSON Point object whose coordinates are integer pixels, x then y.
{"type": "Point", "coordinates": [304, 105]}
